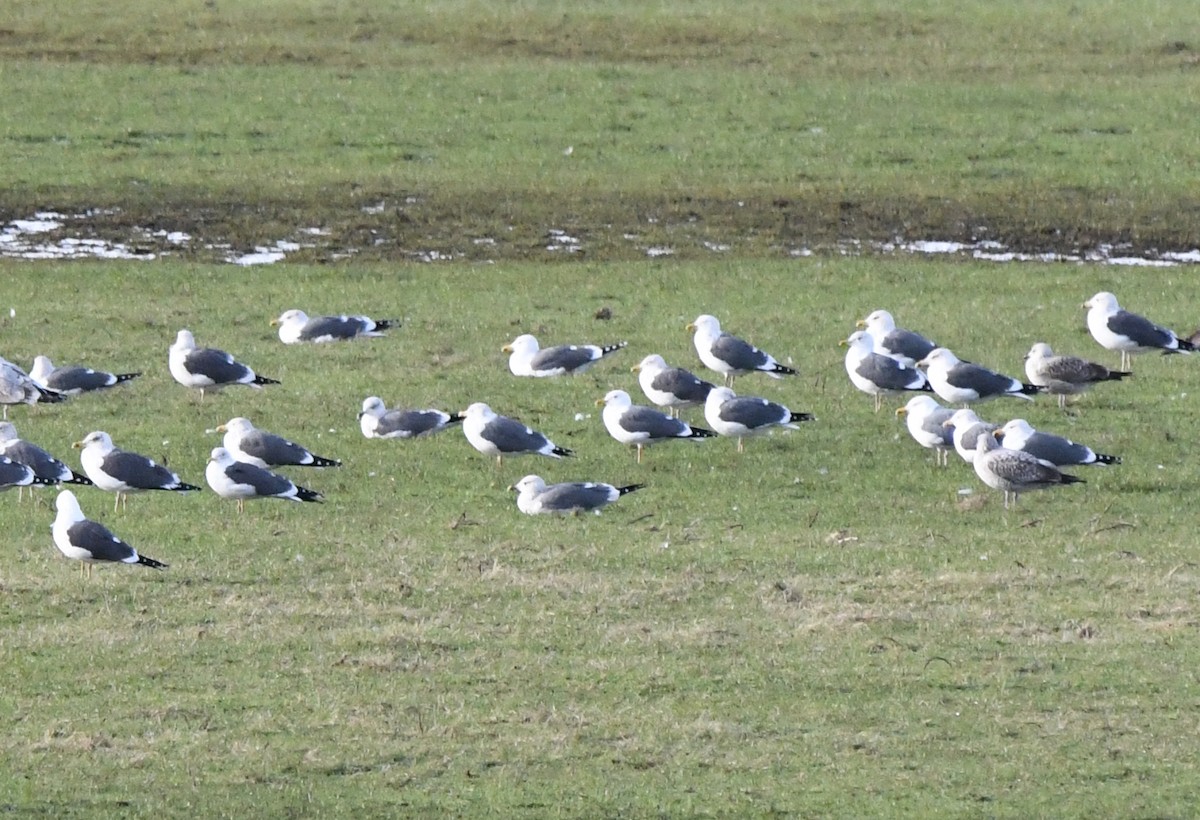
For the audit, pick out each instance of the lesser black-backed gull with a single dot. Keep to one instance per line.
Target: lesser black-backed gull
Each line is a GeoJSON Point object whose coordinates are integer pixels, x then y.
{"type": "Point", "coordinates": [529, 359]}
{"type": "Point", "coordinates": [1014, 471]}
{"type": "Point", "coordinates": [35, 458]}
{"type": "Point", "coordinates": [122, 472]}
{"type": "Point", "coordinates": [876, 374]}
{"type": "Point", "coordinates": [670, 387]}
{"type": "Point", "coordinates": [926, 419]}
{"type": "Point", "coordinates": [16, 474]}
{"type": "Point", "coordinates": [72, 380]}
{"type": "Point", "coordinates": [500, 436]}
{"type": "Point", "coordinates": [1064, 376]}
{"type": "Point", "coordinates": [903, 345]}
{"type": "Point", "coordinates": [247, 443]}
{"type": "Point", "coordinates": [295, 326]}
{"type": "Point", "coordinates": [959, 382]}
{"type": "Point", "coordinates": [534, 496]}
{"type": "Point", "coordinates": [642, 426]}
{"type": "Point", "coordinates": [230, 478]}
{"type": "Point", "coordinates": [89, 542]}
{"type": "Point", "coordinates": [16, 387]}
{"type": "Point", "coordinates": [743, 416]}
{"type": "Point", "coordinates": [967, 427]}
{"type": "Point", "coordinates": [1128, 333]}
{"type": "Point", "coordinates": [1018, 434]}
{"type": "Point", "coordinates": [209, 369]}
{"type": "Point", "coordinates": [377, 421]}
{"type": "Point", "coordinates": [729, 355]}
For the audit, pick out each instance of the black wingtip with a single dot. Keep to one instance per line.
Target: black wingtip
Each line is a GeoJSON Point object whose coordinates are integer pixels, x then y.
{"type": "Point", "coordinates": [456, 418]}
{"type": "Point", "coordinates": [184, 487]}
{"type": "Point", "coordinates": [783, 371]}
{"type": "Point", "coordinates": [1072, 479]}
{"type": "Point", "coordinates": [701, 432]}
{"type": "Point", "coordinates": [386, 324]}
{"type": "Point", "coordinates": [1103, 458]}
{"type": "Point", "coordinates": [150, 562]}
{"type": "Point", "coordinates": [319, 461]}
{"type": "Point", "coordinates": [1185, 345]}
{"type": "Point", "coordinates": [563, 452]}
{"type": "Point", "coordinates": [305, 494]}
{"type": "Point", "coordinates": [50, 396]}
{"type": "Point", "coordinates": [261, 380]}
{"type": "Point", "coordinates": [802, 417]}
{"type": "Point", "coordinates": [82, 480]}
{"type": "Point", "coordinates": [1116, 375]}
{"type": "Point", "coordinates": [606, 349]}
{"type": "Point", "coordinates": [126, 377]}
{"type": "Point", "coordinates": [1031, 389]}
{"type": "Point", "coordinates": [45, 482]}
{"type": "Point", "coordinates": [925, 388]}
{"type": "Point", "coordinates": [630, 488]}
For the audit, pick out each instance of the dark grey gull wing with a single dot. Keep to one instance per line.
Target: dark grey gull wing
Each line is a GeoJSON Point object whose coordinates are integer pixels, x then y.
{"type": "Point", "coordinates": [15, 474]}
{"type": "Point", "coordinates": [579, 495]}
{"type": "Point", "coordinates": [141, 473]}
{"type": "Point", "coordinates": [43, 464]}
{"type": "Point", "coordinates": [341, 327]}
{"type": "Point", "coordinates": [934, 424]}
{"type": "Point", "coordinates": [751, 412]}
{"type": "Point", "coordinates": [220, 367]}
{"type": "Point", "coordinates": [738, 353]}
{"type": "Point", "coordinates": [906, 343]}
{"type": "Point", "coordinates": [567, 357]}
{"type": "Point", "coordinates": [1062, 451]}
{"type": "Point", "coordinates": [278, 451]}
{"type": "Point", "coordinates": [510, 436]}
{"type": "Point", "coordinates": [970, 436]}
{"type": "Point", "coordinates": [682, 384]}
{"type": "Point", "coordinates": [1140, 330]}
{"type": "Point", "coordinates": [104, 546]}
{"type": "Point", "coordinates": [653, 423]}
{"type": "Point", "coordinates": [889, 374]}
{"type": "Point", "coordinates": [83, 379]}
{"type": "Point", "coordinates": [967, 376]}
{"type": "Point", "coordinates": [414, 422]}
{"type": "Point", "coordinates": [263, 481]}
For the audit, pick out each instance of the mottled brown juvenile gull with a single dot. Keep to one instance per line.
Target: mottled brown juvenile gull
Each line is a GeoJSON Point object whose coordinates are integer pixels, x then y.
{"type": "Point", "coordinates": [1014, 471]}
{"type": "Point", "coordinates": [16, 387]}
{"type": "Point", "coordinates": [535, 497]}
{"type": "Point", "coordinates": [642, 426]}
{"type": "Point", "coordinates": [670, 387]}
{"type": "Point", "coordinates": [743, 416]}
{"type": "Point", "coordinates": [1064, 376]}
{"type": "Point", "coordinates": [925, 419]}
{"type": "Point", "coordinates": [72, 380]}
{"type": "Point", "coordinates": [44, 465]}
{"type": "Point", "coordinates": [230, 478]}
{"type": "Point", "coordinates": [729, 355]}
{"type": "Point", "coordinates": [903, 345]}
{"type": "Point", "coordinates": [1018, 434]}
{"type": "Point", "coordinates": [209, 369]}
{"type": "Point", "coordinates": [967, 428]}
{"type": "Point", "coordinates": [295, 327]}
{"type": "Point", "coordinates": [377, 421]}
{"type": "Point", "coordinates": [500, 436]}
{"type": "Point", "coordinates": [959, 382]}
{"type": "Point", "coordinates": [121, 472]}
{"type": "Point", "coordinates": [1128, 333]}
{"type": "Point", "coordinates": [88, 541]}
{"type": "Point", "coordinates": [876, 374]}
{"type": "Point", "coordinates": [247, 443]}
{"type": "Point", "coordinates": [529, 359]}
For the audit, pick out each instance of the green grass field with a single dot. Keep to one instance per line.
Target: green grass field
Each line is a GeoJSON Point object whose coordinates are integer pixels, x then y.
{"type": "Point", "coordinates": [825, 625]}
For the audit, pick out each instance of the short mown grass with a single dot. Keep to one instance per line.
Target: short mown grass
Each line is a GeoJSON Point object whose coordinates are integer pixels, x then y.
{"type": "Point", "coordinates": [822, 626]}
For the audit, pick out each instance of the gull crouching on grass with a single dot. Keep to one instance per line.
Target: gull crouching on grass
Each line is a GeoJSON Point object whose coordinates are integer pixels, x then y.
{"type": "Point", "coordinates": [295, 327]}
{"type": "Point", "coordinates": [959, 382]}
{"type": "Point", "coordinates": [121, 472]}
{"type": "Point", "coordinates": [500, 436]}
{"type": "Point", "coordinates": [926, 422]}
{"type": "Point", "coordinates": [208, 369]}
{"type": "Point", "coordinates": [16, 387]}
{"type": "Point", "coordinates": [75, 379]}
{"type": "Point", "coordinates": [729, 355]}
{"type": "Point", "coordinates": [1018, 434]}
{"type": "Point", "coordinates": [89, 542]}
{"type": "Point", "coordinates": [528, 358]}
{"type": "Point", "coordinates": [1014, 471]}
{"type": "Point", "coordinates": [230, 478]}
{"type": "Point", "coordinates": [642, 426]}
{"type": "Point", "coordinates": [744, 416]}
{"type": "Point", "coordinates": [377, 421]}
{"type": "Point", "coordinates": [1064, 376]}
{"type": "Point", "coordinates": [535, 497]}
{"type": "Point", "coordinates": [247, 443]}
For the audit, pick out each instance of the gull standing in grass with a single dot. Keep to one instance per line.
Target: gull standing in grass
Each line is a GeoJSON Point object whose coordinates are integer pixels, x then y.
{"type": "Point", "coordinates": [744, 416]}
{"type": "Point", "coordinates": [35, 458]}
{"type": "Point", "coordinates": [206, 368]}
{"type": "Point", "coordinates": [729, 355]}
{"type": "Point", "coordinates": [73, 379]}
{"type": "Point", "coordinates": [642, 426]}
{"type": "Point", "coordinates": [1014, 471]}
{"type": "Point", "coordinates": [88, 541]}
{"type": "Point", "coordinates": [529, 359]}
{"type": "Point", "coordinates": [671, 387]}
{"type": "Point", "coordinates": [959, 382]}
{"type": "Point", "coordinates": [295, 326]}
{"type": "Point", "coordinates": [967, 428]}
{"type": "Point", "coordinates": [122, 472]}
{"type": "Point", "coordinates": [247, 443]}
{"type": "Point", "coordinates": [902, 345]}
{"type": "Point", "coordinates": [500, 436]}
{"type": "Point", "coordinates": [16, 387]}
{"type": "Point", "coordinates": [1064, 376]}
{"type": "Point", "coordinates": [377, 421]}
{"type": "Point", "coordinates": [926, 422]}
{"type": "Point", "coordinates": [1128, 333]}
{"type": "Point", "coordinates": [535, 497]}
{"type": "Point", "coordinates": [876, 374]}
{"type": "Point", "coordinates": [16, 474]}
{"type": "Point", "coordinates": [230, 478]}
{"type": "Point", "coordinates": [1061, 452]}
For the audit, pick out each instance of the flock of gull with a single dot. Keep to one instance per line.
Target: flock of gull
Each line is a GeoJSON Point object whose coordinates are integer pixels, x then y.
{"type": "Point", "coordinates": [881, 360]}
